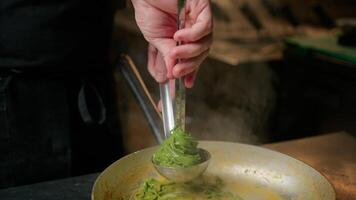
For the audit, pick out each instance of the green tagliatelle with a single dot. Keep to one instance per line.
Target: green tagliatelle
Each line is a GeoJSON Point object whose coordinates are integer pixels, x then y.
{"type": "Point", "coordinates": [199, 189]}
{"type": "Point", "coordinates": [179, 150]}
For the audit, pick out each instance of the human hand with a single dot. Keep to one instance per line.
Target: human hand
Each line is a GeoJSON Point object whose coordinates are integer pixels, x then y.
{"type": "Point", "coordinates": [157, 21]}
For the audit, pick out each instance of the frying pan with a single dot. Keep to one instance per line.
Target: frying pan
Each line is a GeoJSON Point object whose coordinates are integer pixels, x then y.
{"type": "Point", "coordinates": [256, 174]}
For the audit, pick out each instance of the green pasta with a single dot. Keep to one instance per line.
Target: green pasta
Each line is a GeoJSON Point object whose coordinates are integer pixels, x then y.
{"type": "Point", "coordinates": [179, 150]}
{"type": "Point", "coordinates": [152, 189]}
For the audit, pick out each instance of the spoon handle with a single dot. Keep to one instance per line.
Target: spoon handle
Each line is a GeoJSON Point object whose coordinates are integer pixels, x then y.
{"type": "Point", "coordinates": [167, 108]}
{"type": "Point", "coordinates": [168, 115]}
{"type": "Point", "coordinates": [179, 84]}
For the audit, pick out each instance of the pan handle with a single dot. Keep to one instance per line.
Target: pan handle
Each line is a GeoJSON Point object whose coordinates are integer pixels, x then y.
{"type": "Point", "coordinates": [142, 95]}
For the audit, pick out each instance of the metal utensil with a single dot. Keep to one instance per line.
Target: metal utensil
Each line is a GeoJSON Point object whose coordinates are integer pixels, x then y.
{"type": "Point", "coordinates": [185, 174]}
{"type": "Point", "coordinates": [169, 119]}
{"type": "Point", "coordinates": [179, 83]}
{"type": "Point", "coordinates": [135, 82]}
{"type": "Point", "coordinates": [178, 174]}
{"type": "Point", "coordinates": [167, 108]}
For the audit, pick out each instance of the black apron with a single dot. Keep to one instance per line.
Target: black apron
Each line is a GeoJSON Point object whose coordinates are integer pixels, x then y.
{"type": "Point", "coordinates": [54, 33]}
{"type": "Point", "coordinates": [55, 81]}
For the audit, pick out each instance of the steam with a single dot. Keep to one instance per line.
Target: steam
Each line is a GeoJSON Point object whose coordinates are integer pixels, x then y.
{"type": "Point", "coordinates": [232, 103]}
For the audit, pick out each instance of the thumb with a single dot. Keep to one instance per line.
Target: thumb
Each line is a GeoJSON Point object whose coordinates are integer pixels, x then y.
{"type": "Point", "coordinates": [164, 47]}
{"type": "Point", "coordinates": [156, 65]}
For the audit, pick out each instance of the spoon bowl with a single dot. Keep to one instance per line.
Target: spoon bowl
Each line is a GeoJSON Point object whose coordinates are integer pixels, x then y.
{"type": "Point", "coordinates": [185, 174]}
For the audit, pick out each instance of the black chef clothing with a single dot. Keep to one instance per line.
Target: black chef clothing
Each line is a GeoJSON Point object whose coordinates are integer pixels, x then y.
{"type": "Point", "coordinates": [57, 103]}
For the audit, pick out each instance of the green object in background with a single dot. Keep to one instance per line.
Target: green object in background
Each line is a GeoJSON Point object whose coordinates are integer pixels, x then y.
{"type": "Point", "coordinates": [179, 150]}
{"type": "Point", "coordinates": [326, 46]}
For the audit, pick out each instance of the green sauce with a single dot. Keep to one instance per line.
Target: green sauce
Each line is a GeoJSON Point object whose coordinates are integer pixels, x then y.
{"type": "Point", "coordinates": [199, 189]}
{"type": "Point", "coordinates": [179, 150]}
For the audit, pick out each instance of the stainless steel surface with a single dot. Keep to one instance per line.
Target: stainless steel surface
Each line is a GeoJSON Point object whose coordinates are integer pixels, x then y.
{"type": "Point", "coordinates": [167, 108]}
{"type": "Point", "coordinates": [255, 172]}
{"type": "Point", "coordinates": [184, 174]}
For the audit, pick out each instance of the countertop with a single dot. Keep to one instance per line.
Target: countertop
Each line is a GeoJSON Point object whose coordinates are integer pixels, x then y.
{"type": "Point", "coordinates": [334, 155]}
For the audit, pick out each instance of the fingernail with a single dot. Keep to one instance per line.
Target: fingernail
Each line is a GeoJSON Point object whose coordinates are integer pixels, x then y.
{"type": "Point", "coordinates": [169, 76]}
{"type": "Point", "coordinates": [189, 81]}
{"type": "Point", "coordinates": [176, 73]}
{"type": "Point", "coordinates": [189, 78]}
{"type": "Point", "coordinates": [177, 37]}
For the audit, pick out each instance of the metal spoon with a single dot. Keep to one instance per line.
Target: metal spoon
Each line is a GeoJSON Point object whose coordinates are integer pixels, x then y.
{"type": "Point", "coordinates": [185, 174]}
{"type": "Point", "coordinates": [178, 174]}
{"type": "Point", "coordinates": [167, 108]}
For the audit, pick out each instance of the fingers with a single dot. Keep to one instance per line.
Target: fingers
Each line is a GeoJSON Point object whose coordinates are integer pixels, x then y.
{"type": "Point", "coordinates": [163, 65]}
{"type": "Point", "coordinates": [164, 45]}
{"type": "Point", "coordinates": [156, 65]}
{"type": "Point", "coordinates": [169, 6]}
{"type": "Point", "coordinates": [191, 50]}
{"type": "Point", "coordinates": [201, 28]}
{"type": "Point", "coordinates": [152, 54]}
{"type": "Point", "coordinates": [197, 39]}
{"type": "Point", "coordinates": [187, 66]}
{"type": "Point", "coordinates": [190, 79]}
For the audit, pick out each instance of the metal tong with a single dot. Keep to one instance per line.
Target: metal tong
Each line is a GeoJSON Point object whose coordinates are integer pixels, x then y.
{"type": "Point", "coordinates": [174, 116]}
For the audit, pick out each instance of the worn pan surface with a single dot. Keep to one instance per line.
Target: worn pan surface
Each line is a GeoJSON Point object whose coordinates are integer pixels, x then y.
{"type": "Point", "coordinates": [256, 174]}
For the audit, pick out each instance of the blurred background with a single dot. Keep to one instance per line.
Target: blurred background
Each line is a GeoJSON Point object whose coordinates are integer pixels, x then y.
{"type": "Point", "coordinates": [278, 70]}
